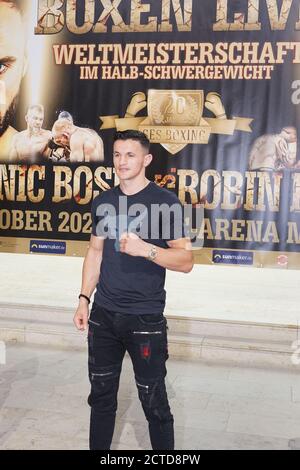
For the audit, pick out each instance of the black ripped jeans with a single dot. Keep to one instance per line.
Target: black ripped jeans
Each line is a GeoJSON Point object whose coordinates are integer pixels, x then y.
{"type": "Point", "coordinates": [145, 338]}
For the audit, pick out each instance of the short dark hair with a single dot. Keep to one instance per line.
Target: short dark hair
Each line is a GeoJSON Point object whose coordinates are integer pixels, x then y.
{"type": "Point", "coordinates": [134, 135]}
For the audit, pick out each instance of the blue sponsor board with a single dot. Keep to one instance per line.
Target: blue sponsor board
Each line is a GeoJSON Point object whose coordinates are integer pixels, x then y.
{"type": "Point", "coordinates": [46, 246]}
{"type": "Point", "coordinates": [232, 257]}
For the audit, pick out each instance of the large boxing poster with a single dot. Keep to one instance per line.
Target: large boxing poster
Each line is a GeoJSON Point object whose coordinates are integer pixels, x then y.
{"type": "Point", "coordinates": [215, 85]}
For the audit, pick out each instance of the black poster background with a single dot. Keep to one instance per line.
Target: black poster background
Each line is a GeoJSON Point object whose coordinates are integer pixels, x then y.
{"type": "Point", "coordinates": [267, 102]}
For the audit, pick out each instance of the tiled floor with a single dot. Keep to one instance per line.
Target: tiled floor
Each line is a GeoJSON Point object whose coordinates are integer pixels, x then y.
{"type": "Point", "coordinates": [43, 404]}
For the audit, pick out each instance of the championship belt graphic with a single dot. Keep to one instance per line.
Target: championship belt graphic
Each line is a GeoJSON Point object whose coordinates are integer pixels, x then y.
{"type": "Point", "coordinates": [175, 118]}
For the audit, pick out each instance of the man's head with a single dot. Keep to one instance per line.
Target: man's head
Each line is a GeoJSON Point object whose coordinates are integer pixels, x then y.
{"type": "Point", "coordinates": [131, 154]}
{"type": "Point", "coordinates": [12, 59]}
{"type": "Point", "coordinates": [289, 134]}
{"type": "Point", "coordinates": [35, 117]}
{"type": "Point", "coordinates": [65, 115]}
{"type": "Point", "coordinates": [62, 130]}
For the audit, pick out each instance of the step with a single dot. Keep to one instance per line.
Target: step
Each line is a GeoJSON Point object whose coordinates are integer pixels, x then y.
{"type": "Point", "coordinates": [189, 338]}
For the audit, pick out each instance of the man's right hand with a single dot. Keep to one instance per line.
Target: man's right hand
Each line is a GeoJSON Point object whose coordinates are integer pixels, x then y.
{"type": "Point", "coordinates": [81, 316]}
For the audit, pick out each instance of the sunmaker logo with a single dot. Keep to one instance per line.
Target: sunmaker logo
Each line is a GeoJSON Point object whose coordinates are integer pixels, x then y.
{"type": "Point", "coordinates": [48, 246]}
{"type": "Point", "coordinates": [232, 257]}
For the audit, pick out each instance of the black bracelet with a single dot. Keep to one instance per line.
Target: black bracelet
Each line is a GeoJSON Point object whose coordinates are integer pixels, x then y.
{"type": "Point", "coordinates": [85, 297]}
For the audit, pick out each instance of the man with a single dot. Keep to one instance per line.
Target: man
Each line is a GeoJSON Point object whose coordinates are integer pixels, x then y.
{"type": "Point", "coordinates": [31, 145]}
{"type": "Point", "coordinates": [85, 144]}
{"type": "Point", "coordinates": [12, 69]}
{"type": "Point", "coordinates": [274, 151]}
{"type": "Point", "coordinates": [129, 272]}
{"type": "Point", "coordinates": [58, 152]}
{"type": "Point", "coordinates": [66, 115]}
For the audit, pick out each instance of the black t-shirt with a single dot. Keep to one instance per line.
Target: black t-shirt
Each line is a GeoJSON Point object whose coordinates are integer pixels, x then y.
{"type": "Point", "coordinates": [133, 284]}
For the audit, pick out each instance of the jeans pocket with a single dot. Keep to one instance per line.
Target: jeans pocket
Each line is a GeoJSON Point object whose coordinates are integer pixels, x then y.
{"type": "Point", "coordinates": [96, 316]}
{"type": "Point", "coordinates": [155, 319]}
{"type": "Point", "coordinates": [94, 323]}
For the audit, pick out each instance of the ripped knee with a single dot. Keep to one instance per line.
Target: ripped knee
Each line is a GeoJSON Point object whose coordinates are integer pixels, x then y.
{"type": "Point", "coordinates": [153, 397]}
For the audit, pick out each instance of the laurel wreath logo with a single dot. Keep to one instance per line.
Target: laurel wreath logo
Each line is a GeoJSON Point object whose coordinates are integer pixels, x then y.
{"type": "Point", "coordinates": [163, 114]}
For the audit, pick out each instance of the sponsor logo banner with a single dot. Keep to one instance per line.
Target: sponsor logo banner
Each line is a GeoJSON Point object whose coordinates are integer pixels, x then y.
{"type": "Point", "coordinates": [232, 257]}
{"type": "Point", "coordinates": [48, 246]}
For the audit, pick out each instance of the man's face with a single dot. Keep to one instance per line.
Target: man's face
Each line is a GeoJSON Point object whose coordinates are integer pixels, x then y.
{"type": "Point", "coordinates": [130, 159]}
{"type": "Point", "coordinates": [35, 120]}
{"type": "Point", "coordinates": [12, 61]}
{"type": "Point", "coordinates": [289, 134]}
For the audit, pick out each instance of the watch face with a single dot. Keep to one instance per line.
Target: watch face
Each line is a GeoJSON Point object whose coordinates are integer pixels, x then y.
{"type": "Point", "coordinates": [152, 253]}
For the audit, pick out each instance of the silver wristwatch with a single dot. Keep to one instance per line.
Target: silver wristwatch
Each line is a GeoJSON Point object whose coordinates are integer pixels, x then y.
{"type": "Point", "coordinates": [152, 253]}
